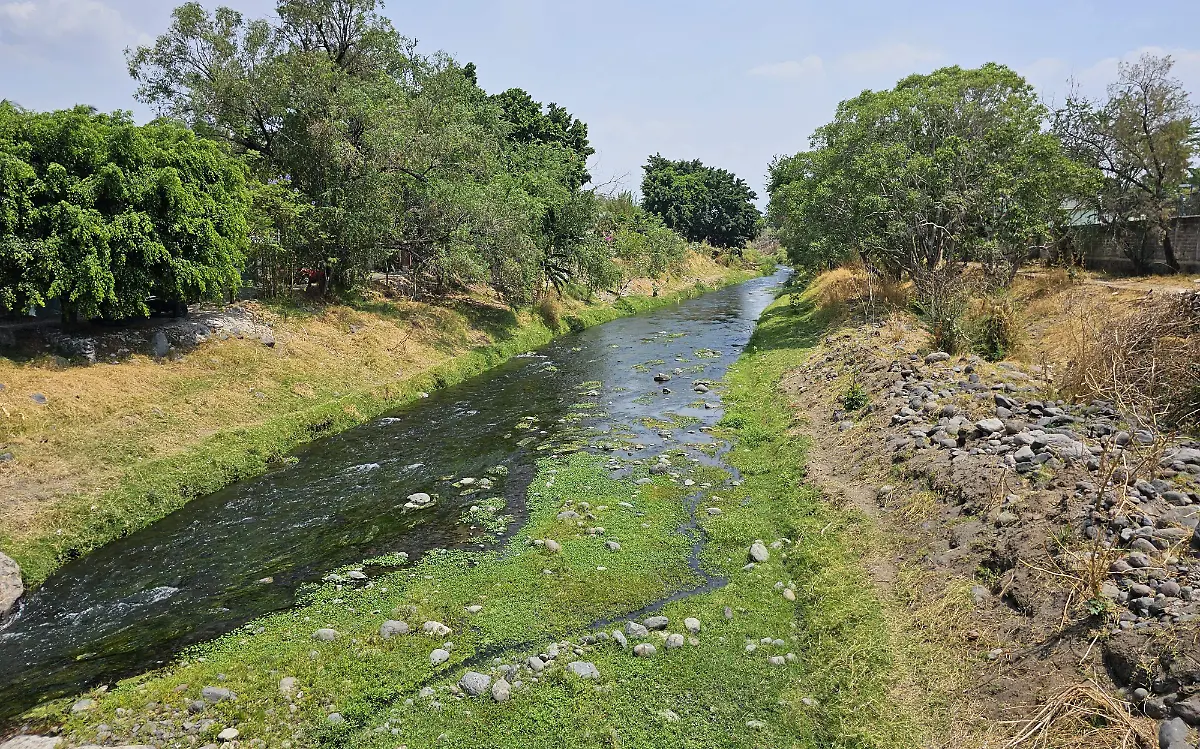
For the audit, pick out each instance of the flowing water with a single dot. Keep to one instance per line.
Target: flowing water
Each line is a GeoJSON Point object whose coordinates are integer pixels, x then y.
{"type": "Point", "coordinates": [242, 552]}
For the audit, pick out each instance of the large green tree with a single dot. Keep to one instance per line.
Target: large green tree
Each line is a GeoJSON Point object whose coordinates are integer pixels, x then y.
{"type": "Point", "coordinates": [945, 168]}
{"type": "Point", "coordinates": [1142, 141]}
{"type": "Point", "coordinates": [702, 203]}
{"type": "Point", "coordinates": [102, 214]}
{"type": "Point", "coordinates": [385, 154]}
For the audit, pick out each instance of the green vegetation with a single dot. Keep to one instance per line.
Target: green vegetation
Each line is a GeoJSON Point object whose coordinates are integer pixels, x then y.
{"type": "Point", "coordinates": [102, 214]}
{"type": "Point", "coordinates": [943, 169]}
{"type": "Point", "coordinates": [836, 692]}
{"type": "Point", "coordinates": [703, 203]}
{"type": "Point", "coordinates": [147, 490]}
{"type": "Point", "coordinates": [1141, 142]}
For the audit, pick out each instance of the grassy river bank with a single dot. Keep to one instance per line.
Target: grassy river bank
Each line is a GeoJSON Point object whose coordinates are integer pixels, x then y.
{"type": "Point", "coordinates": [115, 447]}
{"type": "Point", "coordinates": [791, 651]}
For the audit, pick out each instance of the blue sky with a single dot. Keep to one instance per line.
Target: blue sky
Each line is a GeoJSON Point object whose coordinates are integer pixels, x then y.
{"type": "Point", "coordinates": [730, 83]}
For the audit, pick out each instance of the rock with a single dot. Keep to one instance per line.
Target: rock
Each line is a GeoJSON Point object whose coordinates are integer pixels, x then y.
{"type": "Point", "coordinates": [758, 552]}
{"type": "Point", "coordinates": [31, 742]}
{"type": "Point", "coordinates": [287, 685]}
{"type": "Point", "coordinates": [1173, 734]}
{"type": "Point", "coordinates": [268, 339]}
{"type": "Point", "coordinates": [229, 734]}
{"type": "Point", "coordinates": [475, 683]}
{"type": "Point", "coordinates": [553, 546]}
{"type": "Point", "coordinates": [536, 665]}
{"type": "Point", "coordinates": [1188, 711]}
{"type": "Point", "coordinates": [714, 511]}
{"type": "Point", "coordinates": [11, 586]}
{"type": "Point", "coordinates": [438, 657]}
{"type": "Point", "coordinates": [584, 669]}
{"type": "Point", "coordinates": [418, 501]}
{"type": "Point", "coordinates": [356, 575]}
{"type": "Point", "coordinates": [437, 629]}
{"type": "Point", "coordinates": [635, 630]}
{"type": "Point", "coordinates": [215, 694]}
{"type": "Point", "coordinates": [937, 356]}
{"type": "Point", "coordinates": [612, 545]}
{"type": "Point", "coordinates": [989, 426]}
{"type": "Point", "coordinates": [692, 624]}
{"type": "Point", "coordinates": [644, 650]}
{"type": "Point", "coordinates": [501, 690]}
{"type": "Point", "coordinates": [568, 515]}
{"type": "Point", "coordinates": [335, 719]}
{"type": "Point", "coordinates": [325, 635]}
{"type": "Point", "coordinates": [159, 345]}
{"type": "Point", "coordinates": [656, 622]}
{"type": "Point", "coordinates": [701, 388]}
{"type": "Point", "coordinates": [83, 705]}
{"type": "Point", "coordinates": [673, 641]}
{"type": "Point", "coordinates": [392, 628]}
{"type": "Point", "coordinates": [789, 594]}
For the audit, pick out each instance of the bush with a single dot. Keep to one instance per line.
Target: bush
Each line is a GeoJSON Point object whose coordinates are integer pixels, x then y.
{"type": "Point", "coordinates": [1144, 362]}
{"type": "Point", "coordinates": [995, 330]}
{"type": "Point", "coordinates": [550, 310]}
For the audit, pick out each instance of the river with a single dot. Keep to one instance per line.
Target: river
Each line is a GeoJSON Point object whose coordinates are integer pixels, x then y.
{"type": "Point", "coordinates": [245, 551]}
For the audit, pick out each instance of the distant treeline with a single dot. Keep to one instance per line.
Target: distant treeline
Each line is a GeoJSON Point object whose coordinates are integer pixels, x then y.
{"type": "Point", "coordinates": [320, 141]}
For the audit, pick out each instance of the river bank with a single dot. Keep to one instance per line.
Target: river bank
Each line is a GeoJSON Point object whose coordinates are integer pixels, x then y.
{"type": "Point", "coordinates": [781, 641]}
{"type": "Point", "coordinates": [95, 453]}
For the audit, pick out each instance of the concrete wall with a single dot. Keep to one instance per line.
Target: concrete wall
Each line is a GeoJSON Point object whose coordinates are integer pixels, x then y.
{"type": "Point", "coordinates": [1102, 253]}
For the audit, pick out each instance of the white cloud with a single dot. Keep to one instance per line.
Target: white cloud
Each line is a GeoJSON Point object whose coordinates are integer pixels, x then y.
{"type": "Point", "coordinates": [1050, 75]}
{"type": "Point", "coordinates": [38, 29]}
{"type": "Point", "coordinates": [791, 69]}
{"type": "Point", "coordinates": [900, 58]}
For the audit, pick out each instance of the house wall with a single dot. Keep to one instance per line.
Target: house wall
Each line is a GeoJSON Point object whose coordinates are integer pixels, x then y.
{"type": "Point", "coordinates": [1102, 253]}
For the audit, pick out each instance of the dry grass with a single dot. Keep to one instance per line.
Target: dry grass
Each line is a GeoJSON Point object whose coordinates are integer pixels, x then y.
{"type": "Point", "coordinates": [1144, 361]}
{"type": "Point", "coordinates": [852, 288]}
{"type": "Point", "coordinates": [1083, 716]}
{"type": "Point", "coordinates": [100, 422]}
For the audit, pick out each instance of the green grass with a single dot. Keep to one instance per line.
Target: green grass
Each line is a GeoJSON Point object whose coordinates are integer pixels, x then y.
{"type": "Point", "coordinates": [836, 693]}
{"type": "Point", "coordinates": [151, 489]}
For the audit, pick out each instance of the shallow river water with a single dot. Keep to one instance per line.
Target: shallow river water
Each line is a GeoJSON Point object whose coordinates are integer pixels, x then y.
{"type": "Point", "coordinates": [201, 571]}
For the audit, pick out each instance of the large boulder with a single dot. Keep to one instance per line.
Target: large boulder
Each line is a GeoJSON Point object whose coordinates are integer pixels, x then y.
{"type": "Point", "coordinates": [11, 587]}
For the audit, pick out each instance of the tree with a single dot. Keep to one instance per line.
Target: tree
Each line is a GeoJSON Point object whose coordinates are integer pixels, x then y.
{"type": "Point", "coordinates": [943, 169]}
{"type": "Point", "coordinates": [704, 204]}
{"type": "Point", "coordinates": [388, 155]}
{"type": "Point", "coordinates": [1142, 142]}
{"type": "Point", "coordinates": [102, 214]}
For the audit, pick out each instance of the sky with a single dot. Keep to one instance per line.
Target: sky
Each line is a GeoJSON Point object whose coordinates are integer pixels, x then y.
{"type": "Point", "coordinates": [730, 83]}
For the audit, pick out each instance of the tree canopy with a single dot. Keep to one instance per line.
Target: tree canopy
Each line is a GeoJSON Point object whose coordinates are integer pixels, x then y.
{"type": "Point", "coordinates": [385, 154]}
{"type": "Point", "coordinates": [704, 204]}
{"type": "Point", "coordinates": [944, 168]}
{"type": "Point", "coordinates": [1142, 142]}
{"type": "Point", "coordinates": [102, 214]}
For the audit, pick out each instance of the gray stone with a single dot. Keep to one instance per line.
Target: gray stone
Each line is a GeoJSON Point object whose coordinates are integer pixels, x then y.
{"type": "Point", "coordinates": [336, 719]}
{"type": "Point", "coordinates": [584, 669]}
{"type": "Point", "coordinates": [644, 650]}
{"type": "Point", "coordinates": [11, 586]}
{"type": "Point", "coordinates": [673, 641]}
{"type": "Point", "coordinates": [989, 426]}
{"type": "Point", "coordinates": [635, 630]}
{"type": "Point", "coordinates": [1173, 734]}
{"type": "Point", "coordinates": [692, 624]}
{"type": "Point", "coordinates": [391, 628]}
{"type": "Point", "coordinates": [656, 622]}
{"type": "Point", "coordinates": [1188, 711]}
{"type": "Point", "coordinates": [619, 637]}
{"type": "Point", "coordinates": [437, 629]}
{"type": "Point", "coordinates": [536, 665]}
{"type": "Point", "coordinates": [83, 705]}
{"type": "Point", "coordinates": [229, 734]}
{"type": "Point", "coordinates": [612, 545]}
{"type": "Point", "coordinates": [553, 546]}
{"type": "Point", "coordinates": [501, 690]}
{"type": "Point", "coordinates": [215, 694]}
{"type": "Point", "coordinates": [268, 339]}
{"type": "Point", "coordinates": [438, 657]}
{"type": "Point", "coordinates": [287, 685]}
{"type": "Point", "coordinates": [31, 742]}
{"type": "Point", "coordinates": [159, 345]}
{"type": "Point", "coordinates": [937, 356]}
{"type": "Point", "coordinates": [325, 634]}
{"type": "Point", "coordinates": [758, 552]}
{"type": "Point", "coordinates": [475, 683]}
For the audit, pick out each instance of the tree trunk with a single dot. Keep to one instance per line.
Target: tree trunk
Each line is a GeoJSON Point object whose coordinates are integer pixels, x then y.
{"type": "Point", "coordinates": [1169, 250]}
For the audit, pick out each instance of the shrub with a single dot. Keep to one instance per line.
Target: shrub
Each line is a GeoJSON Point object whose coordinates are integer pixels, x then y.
{"type": "Point", "coordinates": [996, 330]}
{"type": "Point", "coordinates": [550, 310]}
{"type": "Point", "coordinates": [855, 398]}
